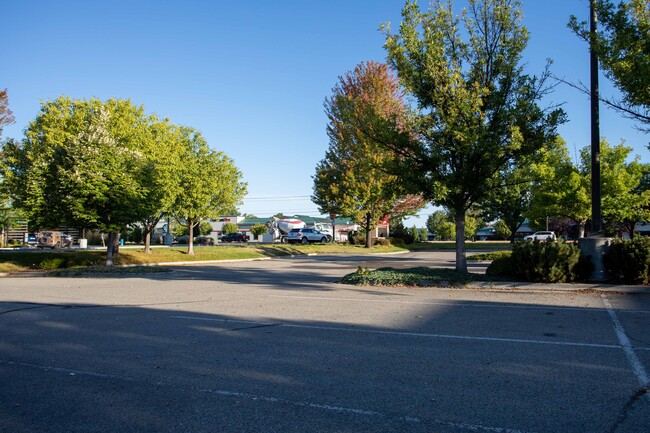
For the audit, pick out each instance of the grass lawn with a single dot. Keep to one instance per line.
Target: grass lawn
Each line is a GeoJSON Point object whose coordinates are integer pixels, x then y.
{"type": "Point", "coordinates": [22, 260]}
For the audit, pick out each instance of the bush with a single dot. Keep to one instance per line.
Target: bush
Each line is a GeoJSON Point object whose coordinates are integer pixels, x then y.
{"type": "Point", "coordinates": [135, 235]}
{"type": "Point", "coordinates": [229, 228]}
{"type": "Point", "coordinates": [548, 262]}
{"type": "Point", "coordinates": [396, 242]}
{"type": "Point", "coordinates": [629, 261]}
{"type": "Point", "coordinates": [500, 267]}
{"type": "Point", "coordinates": [53, 263]}
{"type": "Point", "coordinates": [383, 242]}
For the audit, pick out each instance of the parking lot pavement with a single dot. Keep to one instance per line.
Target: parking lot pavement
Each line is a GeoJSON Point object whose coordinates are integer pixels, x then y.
{"type": "Point", "coordinates": [276, 346]}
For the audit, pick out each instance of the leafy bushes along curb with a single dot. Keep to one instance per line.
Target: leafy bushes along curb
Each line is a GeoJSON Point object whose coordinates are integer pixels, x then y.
{"type": "Point", "coordinates": [548, 262]}
{"type": "Point", "coordinates": [629, 261]}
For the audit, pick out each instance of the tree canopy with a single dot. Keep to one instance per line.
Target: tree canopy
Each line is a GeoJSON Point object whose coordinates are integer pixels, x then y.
{"type": "Point", "coordinates": [6, 116]}
{"type": "Point", "coordinates": [106, 165]}
{"type": "Point", "coordinates": [622, 45]}
{"type": "Point", "coordinates": [353, 179]}
{"type": "Point", "coordinates": [477, 109]}
{"type": "Point", "coordinates": [209, 182]}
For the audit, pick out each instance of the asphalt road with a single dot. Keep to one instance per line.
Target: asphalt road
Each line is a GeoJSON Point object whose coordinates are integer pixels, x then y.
{"type": "Point", "coordinates": [276, 346]}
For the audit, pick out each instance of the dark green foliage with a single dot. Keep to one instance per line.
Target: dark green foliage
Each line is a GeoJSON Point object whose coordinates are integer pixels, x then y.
{"type": "Point", "coordinates": [407, 277]}
{"type": "Point", "coordinates": [54, 259]}
{"type": "Point", "coordinates": [500, 267]}
{"type": "Point", "coordinates": [398, 231]}
{"type": "Point", "coordinates": [493, 255]}
{"type": "Point", "coordinates": [397, 242]}
{"type": "Point", "coordinates": [135, 235]}
{"type": "Point", "coordinates": [548, 262]}
{"type": "Point", "coordinates": [629, 261]}
{"type": "Point", "coordinates": [53, 263]}
{"type": "Point", "coordinates": [229, 228]}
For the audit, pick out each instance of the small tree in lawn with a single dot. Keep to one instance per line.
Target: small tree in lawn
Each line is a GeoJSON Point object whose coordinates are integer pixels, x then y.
{"type": "Point", "coordinates": [503, 230]}
{"type": "Point", "coordinates": [477, 109]}
{"type": "Point", "coordinates": [229, 228]}
{"type": "Point", "coordinates": [259, 230]}
{"type": "Point", "coordinates": [210, 184]}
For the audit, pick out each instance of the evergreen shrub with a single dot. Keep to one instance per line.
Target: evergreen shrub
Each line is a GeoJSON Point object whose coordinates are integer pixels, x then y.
{"type": "Point", "coordinates": [546, 261]}
{"type": "Point", "coordinates": [629, 261]}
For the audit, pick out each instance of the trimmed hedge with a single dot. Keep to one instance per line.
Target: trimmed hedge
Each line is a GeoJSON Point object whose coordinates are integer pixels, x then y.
{"type": "Point", "coordinates": [629, 261]}
{"type": "Point", "coordinates": [545, 261]}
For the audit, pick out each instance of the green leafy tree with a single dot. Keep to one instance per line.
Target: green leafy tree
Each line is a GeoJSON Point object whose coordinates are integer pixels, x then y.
{"type": "Point", "coordinates": [564, 190]}
{"type": "Point", "coordinates": [415, 233]}
{"type": "Point", "coordinates": [509, 199]}
{"type": "Point", "coordinates": [162, 149]}
{"type": "Point", "coordinates": [210, 183]}
{"type": "Point", "coordinates": [625, 199]}
{"type": "Point", "coordinates": [229, 228]}
{"type": "Point", "coordinates": [503, 229]}
{"type": "Point", "coordinates": [471, 226]}
{"type": "Point", "coordinates": [205, 228]}
{"type": "Point", "coordinates": [561, 188]}
{"type": "Point", "coordinates": [6, 116]}
{"type": "Point", "coordinates": [435, 222]}
{"type": "Point", "coordinates": [447, 231]}
{"type": "Point", "coordinates": [622, 45]}
{"type": "Point", "coordinates": [352, 180]}
{"type": "Point", "coordinates": [82, 162]}
{"type": "Point", "coordinates": [259, 229]}
{"type": "Point", "coordinates": [6, 209]}
{"type": "Point", "coordinates": [477, 110]}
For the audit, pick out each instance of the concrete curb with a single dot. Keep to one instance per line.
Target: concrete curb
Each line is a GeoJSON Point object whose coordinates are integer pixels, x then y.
{"type": "Point", "coordinates": [548, 287]}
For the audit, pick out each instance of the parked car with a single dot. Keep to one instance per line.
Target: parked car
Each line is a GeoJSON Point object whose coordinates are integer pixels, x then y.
{"type": "Point", "coordinates": [235, 237]}
{"type": "Point", "coordinates": [487, 234]}
{"type": "Point", "coordinates": [31, 240]}
{"type": "Point", "coordinates": [307, 235]}
{"type": "Point", "coordinates": [66, 240]}
{"type": "Point", "coordinates": [541, 236]}
{"type": "Point", "coordinates": [205, 240]}
{"type": "Point", "coordinates": [52, 239]}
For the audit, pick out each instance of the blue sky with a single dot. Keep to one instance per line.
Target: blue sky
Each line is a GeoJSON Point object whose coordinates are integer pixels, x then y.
{"type": "Point", "coordinates": [251, 75]}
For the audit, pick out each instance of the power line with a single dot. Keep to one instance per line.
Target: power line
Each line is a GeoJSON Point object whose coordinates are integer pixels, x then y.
{"type": "Point", "coordinates": [285, 197]}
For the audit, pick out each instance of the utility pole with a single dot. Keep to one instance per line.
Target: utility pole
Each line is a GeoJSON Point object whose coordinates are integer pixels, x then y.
{"type": "Point", "coordinates": [596, 244]}
{"type": "Point", "coordinates": [596, 218]}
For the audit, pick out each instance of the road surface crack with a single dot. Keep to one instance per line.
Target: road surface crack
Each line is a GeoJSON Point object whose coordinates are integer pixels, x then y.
{"type": "Point", "coordinates": [631, 402]}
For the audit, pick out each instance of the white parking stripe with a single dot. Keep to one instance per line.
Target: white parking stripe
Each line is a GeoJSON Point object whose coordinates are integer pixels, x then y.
{"type": "Point", "coordinates": [254, 397]}
{"type": "Point", "coordinates": [635, 363]}
{"type": "Point", "coordinates": [406, 334]}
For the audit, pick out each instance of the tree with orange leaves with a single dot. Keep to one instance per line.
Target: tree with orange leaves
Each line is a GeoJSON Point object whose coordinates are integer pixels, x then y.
{"type": "Point", "coordinates": [353, 180]}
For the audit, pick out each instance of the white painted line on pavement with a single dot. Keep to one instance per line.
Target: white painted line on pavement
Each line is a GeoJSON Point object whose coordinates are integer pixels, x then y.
{"type": "Point", "coordinates": [334, 408]}
{"type": "Point", "coordinates": [406, 334]}
{"type": "Point", "coordinates": [253, 397]}
{"type": "Point", "coordinates": [635, 363]}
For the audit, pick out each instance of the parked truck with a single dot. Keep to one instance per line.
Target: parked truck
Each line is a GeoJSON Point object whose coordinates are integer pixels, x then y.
{"type": "Point", "coordinates": [280, 228]}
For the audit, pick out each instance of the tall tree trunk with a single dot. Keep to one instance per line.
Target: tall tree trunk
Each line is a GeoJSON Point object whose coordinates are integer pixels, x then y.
{"type": "Point", "coordinates": [110, 250]}
{"type": "Point", "coordinates": [368, 237]}
{"type": "Point", "coordinates": [581, 229]}
{"type": "Point", "coordinates": [190, 241]}
{"type": "Point", "coordinates": [461, 260]}
{"type": "Point", "coordinates": [147, 238]}
{"type": "Point", "coordinates": [116, 244]}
